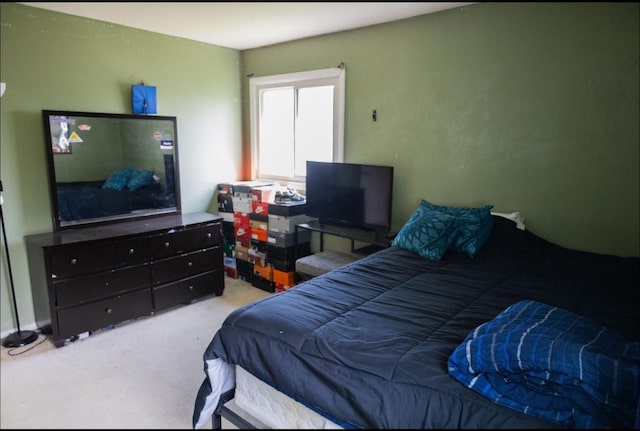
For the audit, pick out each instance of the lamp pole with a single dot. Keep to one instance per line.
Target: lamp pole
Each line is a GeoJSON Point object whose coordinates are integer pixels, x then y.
{"type": "Point", "coordinates": [19, 338]}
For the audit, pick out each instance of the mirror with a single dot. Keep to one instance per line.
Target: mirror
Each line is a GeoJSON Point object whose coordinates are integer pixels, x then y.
{"type": "Point", "coordinates": [110, 167]}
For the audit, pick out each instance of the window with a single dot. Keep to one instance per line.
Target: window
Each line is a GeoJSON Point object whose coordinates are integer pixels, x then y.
{"type": "Point", "coordinates": [296, 117]}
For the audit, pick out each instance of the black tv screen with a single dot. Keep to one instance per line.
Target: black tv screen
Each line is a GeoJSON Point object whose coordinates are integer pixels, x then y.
{"type": "Point", "coordinates": [350, 194]}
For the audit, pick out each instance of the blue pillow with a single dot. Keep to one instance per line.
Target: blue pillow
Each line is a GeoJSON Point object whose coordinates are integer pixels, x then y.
{"type": "Point", "coordinates": [476, 239]}
{"type": "Point", "coordinates": [474, 226]}
{"type": "Point", "coordinates": [118, 179]}
{"type": "Point", "coordinates": [428, 233]}
{"type": "Point", "coordinates": [139, 178]}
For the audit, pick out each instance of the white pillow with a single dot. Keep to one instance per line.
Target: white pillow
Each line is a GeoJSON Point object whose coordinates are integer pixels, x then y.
{"type": "Point", "coordinates": [514, 216]}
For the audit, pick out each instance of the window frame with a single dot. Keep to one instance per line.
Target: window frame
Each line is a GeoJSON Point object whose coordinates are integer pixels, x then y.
{"type": "Point", "coordinates": [335, 76]}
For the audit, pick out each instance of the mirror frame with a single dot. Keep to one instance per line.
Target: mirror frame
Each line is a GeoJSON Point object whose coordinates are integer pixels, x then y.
{"type": "Point", "coordinates": [65, 225]}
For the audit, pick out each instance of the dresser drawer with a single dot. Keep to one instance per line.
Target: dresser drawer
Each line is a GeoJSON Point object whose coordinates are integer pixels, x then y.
{"type": "Point", "coordinates": [186, 265]}
{"type": "Point", "coordinates": [78, 290]}
{"type": "Point", "coordinates": [187, 290]}
{"type": "Point", "coordinates": [182, 241]}
{"type": "Point", "coordinates": [79, 259]}
{"type": "Point", "coordinates": [96, 315]}
{"type": "Point", "coordinates": [129, 252]}
{"type": "Point", "coordinates": [73, 260]}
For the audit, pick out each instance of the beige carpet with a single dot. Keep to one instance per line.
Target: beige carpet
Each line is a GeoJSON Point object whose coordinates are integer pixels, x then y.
{"type": "Point", "coordinates": [142, 374]}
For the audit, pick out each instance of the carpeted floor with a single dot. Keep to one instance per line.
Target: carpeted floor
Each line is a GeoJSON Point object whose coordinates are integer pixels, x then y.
{"type": "Point", "coordinates": [142, 374]}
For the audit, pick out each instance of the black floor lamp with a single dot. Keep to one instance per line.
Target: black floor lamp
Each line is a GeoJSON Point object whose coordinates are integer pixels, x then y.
{"type": "Point", "coordinates": [19, 338]}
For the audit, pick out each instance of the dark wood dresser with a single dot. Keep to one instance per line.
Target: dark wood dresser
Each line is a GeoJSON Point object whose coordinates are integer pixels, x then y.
{"type": "Point", "coordinates": [89, 278]}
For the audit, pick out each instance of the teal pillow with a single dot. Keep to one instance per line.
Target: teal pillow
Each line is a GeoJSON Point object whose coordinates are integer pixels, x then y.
{"type": "Point", "coordinates": [139, 178]}
{"type": "Point", "coordinates": [428, 233]}
{"type": "Point", "coordinates": [118, 179]}
{"type": "Point", "coordinates": [474, 226]}
{"type": "Point", "coordinates": [476, 239]}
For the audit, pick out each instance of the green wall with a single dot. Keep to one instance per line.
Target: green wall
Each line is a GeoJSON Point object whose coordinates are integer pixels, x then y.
{"type": "Point", "coordinates": [531, 107]}
{"type": "Point", "coordinates": [56, 61]}
{"type": "Point", "coordinates": [527, 106]}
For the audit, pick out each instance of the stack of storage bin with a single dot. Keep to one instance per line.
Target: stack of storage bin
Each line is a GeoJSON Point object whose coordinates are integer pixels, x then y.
{"type": "Point", "coordinates": [259, 233]}
{"type": "Point", "coordinates": [225, 209]}
{"type": "Point", "coordinates": [235, 206]}
{"type": "Point", "coordinates": [281, 241]}
{"type": "Point", "coordinates": [262, 276]}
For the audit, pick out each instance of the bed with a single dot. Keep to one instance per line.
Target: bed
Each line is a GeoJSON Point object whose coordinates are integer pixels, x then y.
{"type": "Point", "coordinates": [382, 342]}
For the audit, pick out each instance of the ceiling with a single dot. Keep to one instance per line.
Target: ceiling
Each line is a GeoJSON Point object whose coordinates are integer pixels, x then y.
{"type": "Point", "coordinates": [245, 25]}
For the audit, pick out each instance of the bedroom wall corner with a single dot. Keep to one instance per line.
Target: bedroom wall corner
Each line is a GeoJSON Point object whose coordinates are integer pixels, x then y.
{"type": "Point", "coordinates": [531, 107]}
{"type": "Point", "coordinates": [52, 60]}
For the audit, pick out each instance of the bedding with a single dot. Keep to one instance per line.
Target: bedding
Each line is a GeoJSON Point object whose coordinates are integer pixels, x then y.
{"type": "Point", "coordinates": [554, 364]}
{"type": "Point", "coordinates": [367, 345]}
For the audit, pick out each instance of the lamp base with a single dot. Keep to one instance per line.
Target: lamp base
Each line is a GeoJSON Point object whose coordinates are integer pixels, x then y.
{"type": "Point", "coordinates": [20, 338]}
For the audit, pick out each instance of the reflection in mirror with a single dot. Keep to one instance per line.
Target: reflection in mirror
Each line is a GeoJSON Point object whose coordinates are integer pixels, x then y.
{"type": "Point", "coordinates": [110, 167]}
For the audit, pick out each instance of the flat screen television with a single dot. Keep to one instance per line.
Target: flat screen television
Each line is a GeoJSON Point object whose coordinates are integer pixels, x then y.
{"type": "Point", "coordinates": [105, 168]}
{"type": "Point", "coordinates": [350, 194]}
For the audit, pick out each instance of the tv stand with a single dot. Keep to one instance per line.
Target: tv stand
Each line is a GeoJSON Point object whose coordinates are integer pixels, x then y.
{"type": "Point", "coordinates": [376, 239]}
{"type": "Point", "coordinates": [325, 261]}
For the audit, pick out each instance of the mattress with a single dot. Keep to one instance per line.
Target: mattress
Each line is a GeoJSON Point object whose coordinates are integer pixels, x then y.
{"type": "Point", "coordinates": [272, 408]}
{"type": "Point", "coordinates": [366, 345]}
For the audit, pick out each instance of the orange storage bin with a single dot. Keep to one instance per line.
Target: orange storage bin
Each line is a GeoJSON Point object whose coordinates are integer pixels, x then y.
{"type": "Point", "coordinates": [259, 234]}
{"type": "Point", "coordinates": [285, 278]}
{"type": "Point", "coordinates": [265, 272]}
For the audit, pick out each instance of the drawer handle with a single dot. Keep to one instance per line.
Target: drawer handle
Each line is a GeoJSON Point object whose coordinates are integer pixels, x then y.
{"type": "Point", "coordinates": [166, 244]}
{"type": "Point", "coordinates": [108, 310]}
{"type": "Point", "coordinates": [190, 287]}
{"type": "Point", "coordinates": [131, 251]}
{"type": "Point", "coordinates": [74, 261]}
{"type": "Point", "coordinates": [190, 264]}
{"type": "Point", "coordinates": [209, 235]}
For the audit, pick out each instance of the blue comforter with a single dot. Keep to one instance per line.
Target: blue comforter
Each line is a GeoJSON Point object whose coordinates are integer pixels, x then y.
{"type": "Point", "coordinates": [552, 363]}
{"type": "Point", "coordinates": [367, 345]}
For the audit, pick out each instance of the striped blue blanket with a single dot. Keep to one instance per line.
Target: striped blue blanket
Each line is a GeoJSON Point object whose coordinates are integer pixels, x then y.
{"type": "Point", "coordinates": [553, 364]}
